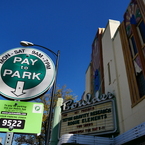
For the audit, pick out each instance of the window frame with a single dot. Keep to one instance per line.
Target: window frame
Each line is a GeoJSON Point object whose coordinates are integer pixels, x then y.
{"type": "Point", "coordinates": [139, 33]}
{"type": "Point", "coordinates": [132, 49]}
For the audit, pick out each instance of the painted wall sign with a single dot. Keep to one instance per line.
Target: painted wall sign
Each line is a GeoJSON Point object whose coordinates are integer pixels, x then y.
{"type": "Point", "coordinates": [20, 117]}
{"type": "Point", "coordinates": [25, 73]}
{"type": "Point", "coordinates": [96, 119]}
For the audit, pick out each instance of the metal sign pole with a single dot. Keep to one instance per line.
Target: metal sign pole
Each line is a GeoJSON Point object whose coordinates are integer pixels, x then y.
{"type": "Point", "coordinates": [51, 104]}
{"type": "Point", "coordinates": [9, 138]}
{"type": "Point", "coordinates": [9, 135]}
{"type": "Point", "coordinates": [48, 132]}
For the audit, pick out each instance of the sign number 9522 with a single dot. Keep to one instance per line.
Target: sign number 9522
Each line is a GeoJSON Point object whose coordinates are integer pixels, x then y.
{"type": "Point", "coordinates": [16, 123]}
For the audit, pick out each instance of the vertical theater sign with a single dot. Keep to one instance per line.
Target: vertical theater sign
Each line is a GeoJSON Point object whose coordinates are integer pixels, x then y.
{"type": "Point", "coordinates": [93, 116]}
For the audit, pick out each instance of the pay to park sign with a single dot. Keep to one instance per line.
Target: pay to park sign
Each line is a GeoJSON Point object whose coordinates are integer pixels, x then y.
{"type": "Point", "coordinates": [25, 73]}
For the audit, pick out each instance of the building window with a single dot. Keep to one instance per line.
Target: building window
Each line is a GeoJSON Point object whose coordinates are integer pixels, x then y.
{"type": "Point", "coordinates": [134, 54]}
{"type": "Point", "coordinates": [141, 31]}
{"type": "Point", "coordinates": [141, 84]}
{"type": "Point", "coordinates": [133, 46]}
{"type": "Point", "coordinates": [109, 73]}
{"type": "Point", "coordinates": [133, 33]}
{"type": "Point", "coordinates": [140, 80]}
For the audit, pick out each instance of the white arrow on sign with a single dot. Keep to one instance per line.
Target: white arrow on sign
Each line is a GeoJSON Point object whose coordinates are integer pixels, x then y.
{"type": "Point", "coordinates": [19, 89]}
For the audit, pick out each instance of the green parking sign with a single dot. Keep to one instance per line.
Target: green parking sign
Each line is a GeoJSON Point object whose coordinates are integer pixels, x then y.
{"type": "Point", "coordinates": [25, 73]}
{"type": "Point", "coordinates": [21, 117]}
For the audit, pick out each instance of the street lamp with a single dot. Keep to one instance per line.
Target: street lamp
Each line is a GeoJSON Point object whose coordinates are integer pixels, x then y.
{"type": "Point", "coordinates": [26, 44]}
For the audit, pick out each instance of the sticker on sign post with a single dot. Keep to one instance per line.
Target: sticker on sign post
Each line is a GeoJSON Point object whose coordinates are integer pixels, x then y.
{"type": "Point", "coordinates": [26, 73]}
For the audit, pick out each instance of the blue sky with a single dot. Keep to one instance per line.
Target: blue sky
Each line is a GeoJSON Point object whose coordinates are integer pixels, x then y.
{"type": "Point", "coordinates": [66, 25]}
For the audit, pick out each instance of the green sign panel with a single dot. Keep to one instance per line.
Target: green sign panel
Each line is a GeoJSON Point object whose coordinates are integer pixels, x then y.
{"type": "Point", "coordinates": [20, 117]}
{"type": "Point", "coordinates": [25, 73]}
{"type": "Point", "coordinates": [21, 73]}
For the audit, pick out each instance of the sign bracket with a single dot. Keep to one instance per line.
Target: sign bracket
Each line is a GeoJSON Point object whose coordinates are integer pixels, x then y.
{"type": "Point", "coordinates": [9, 138]}
{"type": "Point", "coordinates": [9, 135]}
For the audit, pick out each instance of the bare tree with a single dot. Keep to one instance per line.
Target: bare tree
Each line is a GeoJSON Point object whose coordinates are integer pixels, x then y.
{"type": "Point", "coordinates": [64, 93]}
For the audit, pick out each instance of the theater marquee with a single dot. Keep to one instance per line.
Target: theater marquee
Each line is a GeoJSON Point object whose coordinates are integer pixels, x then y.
{"type": "Point", "coordinates": [92, 117]}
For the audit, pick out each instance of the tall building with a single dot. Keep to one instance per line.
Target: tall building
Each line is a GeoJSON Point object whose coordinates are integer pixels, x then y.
{"type": "Point", "coordinates": [117, 66]}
